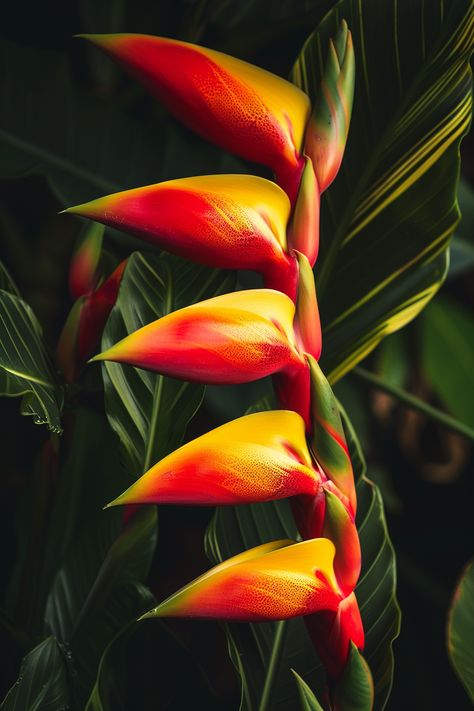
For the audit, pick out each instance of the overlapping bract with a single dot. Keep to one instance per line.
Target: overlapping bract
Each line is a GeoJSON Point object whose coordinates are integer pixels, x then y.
{"type": "Point", "coordinates": [236, 105]}
{"type": "Point", "coordinates": [327, 129]}
{"type": "Point", "coordinates": [245, 222]}
{"type": "Point", "coordinates": [233, 338]}
{"type": "Point", "coordinates": [274, 581]}
{"type": "Point", "coordinates": [226, 221]}
{"type": "Point", "coordinates": [258, 457]}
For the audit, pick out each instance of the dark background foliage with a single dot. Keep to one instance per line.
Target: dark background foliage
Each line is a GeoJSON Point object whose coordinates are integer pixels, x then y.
{"type": "Point", "coordinates": [424, 472]}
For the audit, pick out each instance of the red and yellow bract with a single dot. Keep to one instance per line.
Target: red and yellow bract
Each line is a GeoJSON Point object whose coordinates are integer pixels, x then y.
{"type": "Point", "coordinates": [258, 457]}
{"type": "Point", "coordinates": [226, 221]}
{"type": "Point", "coordinates": [274, 581]}
{"type": "Point", "coordinates": [232, 103]}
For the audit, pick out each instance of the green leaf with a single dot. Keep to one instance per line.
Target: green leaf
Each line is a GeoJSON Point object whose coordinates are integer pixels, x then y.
{"type": "Point", "coordinates": [25, 366]}
{"type": "Point", "coordinates": [98, 589]}
{"type": "Point", "coordinates": [149, 412]}
{"type": "Point", "coordinates": [354, 691]}
{"type": "Point", "coordinates": [308, 700]}
{"type": "Point", "coordinates": [107, 693]}
{"type": "Point", "coordinates": [447, 350]}
{"type": "Point", "coordinates": [43, 681]}
{"type": "Point", "coordinates": [387, 219]}
{"type": "Point", "coordinates": [234, 529]}
{"type": "Point", "coordinates": [460, 631]}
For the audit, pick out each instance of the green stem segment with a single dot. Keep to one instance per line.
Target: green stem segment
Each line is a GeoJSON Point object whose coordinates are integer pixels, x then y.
{"type": "Point", "coordinates": [414, 403]}
{"type": "Point", "coordinates": [272, 670]}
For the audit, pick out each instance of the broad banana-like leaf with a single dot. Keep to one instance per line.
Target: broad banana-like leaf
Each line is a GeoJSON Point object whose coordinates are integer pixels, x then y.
{"type": "Point", "coordinates": [25, 367]}
{"type": "Point", "coordinates": [387, 219]}
{"type": "Point", "coordinates": [234, 529]}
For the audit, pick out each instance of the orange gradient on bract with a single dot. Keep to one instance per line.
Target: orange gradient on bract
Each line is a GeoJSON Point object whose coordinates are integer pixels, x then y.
{"type": "Point", "coordinates": [274, 581]}
{"type": "Point", "coordinates": [332, 634]}
{"type": "Point", "coordinates": [225, 221]}
{"type": "Point", "coordinates": [258, 457]}
{"type": "Point", "coordinates": [232, 338]}
{"type": "Point", "coordinates": [232, 103]}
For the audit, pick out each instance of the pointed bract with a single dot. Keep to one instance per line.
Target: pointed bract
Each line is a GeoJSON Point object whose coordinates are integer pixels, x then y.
{"type": "Point", "coordinates": [258, 457]}
{"type": "Point", "coordinates": [97, 308]}
{"type": "Point", "coordinates": [327, 129]}
{"type": "Point", "coordinates": [233, 338]}
{"type": "Point", "coordinates": [274, 581]}
{"type": "Point", "coordinates": [333, 632]}
{"type": "Point", "coordinates": [303, 231]}
{"type": "Point", "coordinates": [339, 526]}
{"type": "Point", "coordinates": [225, 221]}
{"type": "Point", "coordinates": [329, 444]}
{"type": "Point", "coordinates": [232, 103]}
{"type": "Point", "coordinates": [307, 324]}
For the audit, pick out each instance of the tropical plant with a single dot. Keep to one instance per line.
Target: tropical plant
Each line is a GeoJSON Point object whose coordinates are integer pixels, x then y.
{"type": "Point", "coordinates": [303, 583]}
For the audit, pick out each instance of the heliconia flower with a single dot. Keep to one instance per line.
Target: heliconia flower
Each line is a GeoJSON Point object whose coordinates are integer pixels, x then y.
{"type": "Point", "coordinates": [85, 323]}
{"type": "Point", "coordinates": [240, 107]}
{"type": "Point", "coordinates": [328, 439]}
{"type": "Point", "coordinates": [274, 581]}
{"type": "Point", "coordinates": [225, 221]}
{"type": "Point", "coordinates": [258, 457]}
{"type": "Point", "coordinates": [303, 232]}
{"type": "Point", "coordinates": [232, 338]}
{"type": "Point", "coordinates": [83, 271]}
{"type": "Point", "coordinates": [332, 634]}
{"type": "Point", "coordinates": [327, 129]}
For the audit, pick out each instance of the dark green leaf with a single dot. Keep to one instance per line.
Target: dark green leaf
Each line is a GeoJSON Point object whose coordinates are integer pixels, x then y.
{"type": "Point", "coordinates": [234, 529]}
{"type": "Point", "coordinates": [25, 367]}
{"type": "Point", "coordinates": [354, 691]}
{"type": "Point", "coordinates": [97, 591]}
{"type": "Point", "coordinates": [84, 146]}
{"type": "Point", "coordinates": [43, 681]}
{"type": "Point", "coordinates": [387, 219]}
{"type": "Point", "coordinates": [107, 691]}
{"type": "Point", "coordinates": [447, 348]}
{"type": "Point", "coordinates": [150, 412]}
{"type": "Point", "coordinates": [460, 631]}
{"type": "Point", "coordinates": [308, 700]}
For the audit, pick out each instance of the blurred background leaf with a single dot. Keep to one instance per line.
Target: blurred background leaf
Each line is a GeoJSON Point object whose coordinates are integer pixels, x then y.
{"type": "Point", "coordinates": [447, 350]}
